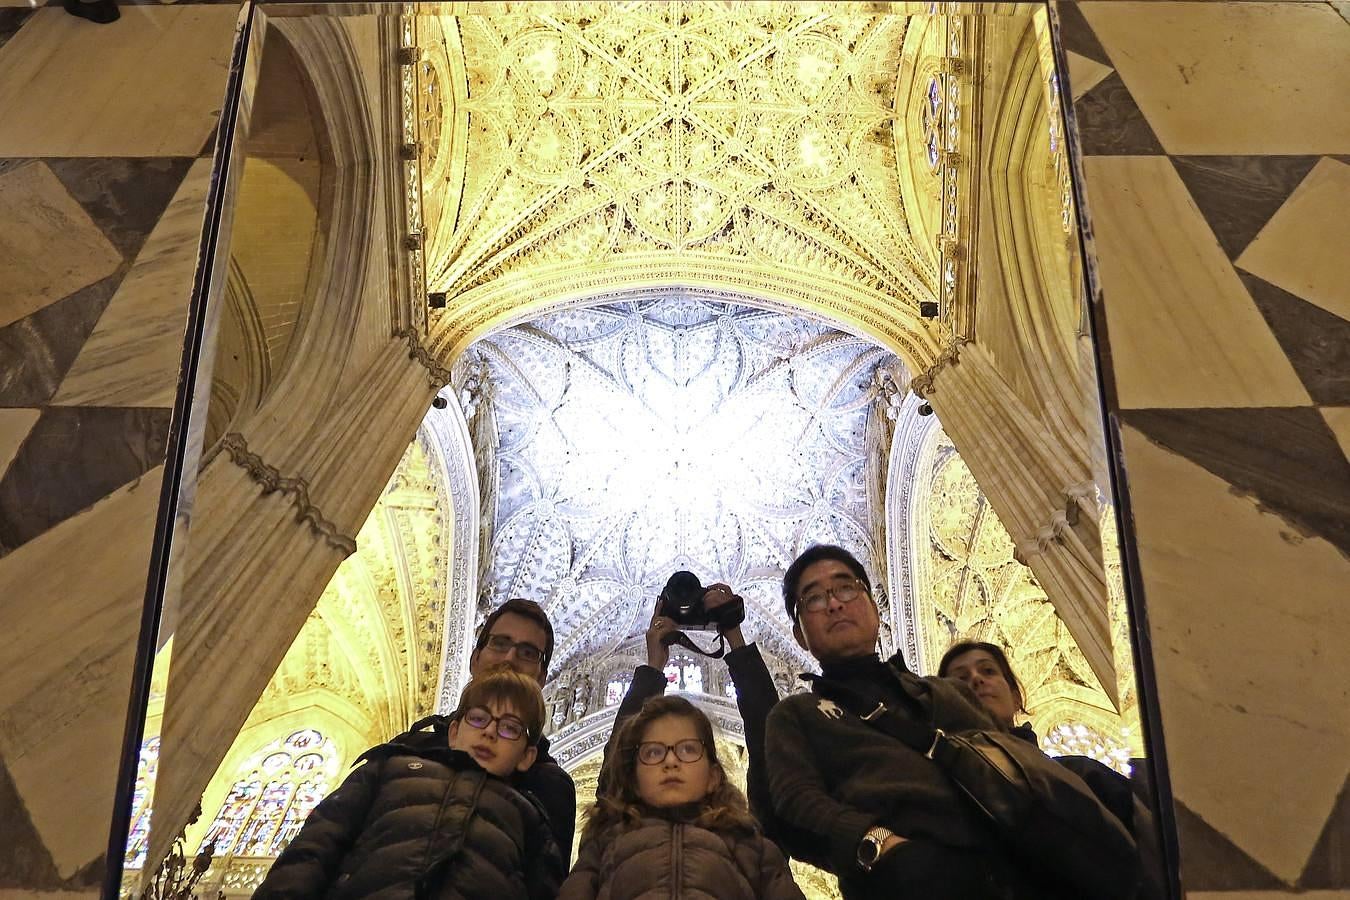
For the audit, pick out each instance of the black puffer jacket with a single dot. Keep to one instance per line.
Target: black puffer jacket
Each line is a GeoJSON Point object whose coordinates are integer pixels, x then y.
{"type": "Point", "coordinates": [419, 820]}
{"type": "Point", "coordinates": [660, 858]}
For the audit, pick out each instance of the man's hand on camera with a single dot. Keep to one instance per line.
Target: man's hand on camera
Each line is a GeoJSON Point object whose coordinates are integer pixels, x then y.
{"type": "Point", "coordinates": [715, 596]}
{"type": "Point", "coordinates": [658, 654]}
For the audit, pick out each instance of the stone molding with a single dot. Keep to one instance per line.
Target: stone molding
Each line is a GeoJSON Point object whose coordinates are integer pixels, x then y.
{"type": "Point", "coordinates": [273, 481]}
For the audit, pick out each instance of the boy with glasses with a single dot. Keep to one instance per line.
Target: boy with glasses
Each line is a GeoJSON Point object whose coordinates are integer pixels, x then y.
{"type": "Point", "coordinates": [518, 634]}
{"type": "Point", "coordinates": [436, 812]}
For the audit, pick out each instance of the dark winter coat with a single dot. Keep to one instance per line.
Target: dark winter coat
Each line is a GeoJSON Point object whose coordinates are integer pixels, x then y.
{"type": "Point", "coordinates": [666, 859]}
{"type": "Point", "coordinates": [419, 820]}
{"type": "Point", "coordinates": [833, 776]}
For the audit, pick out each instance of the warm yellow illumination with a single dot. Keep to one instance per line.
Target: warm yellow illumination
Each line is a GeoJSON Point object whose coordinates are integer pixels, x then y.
{"type": "Point", "coordinates": [604, 146]}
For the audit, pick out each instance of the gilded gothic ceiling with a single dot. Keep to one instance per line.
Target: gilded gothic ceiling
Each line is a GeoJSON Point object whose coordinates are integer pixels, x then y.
{"type": "Point", "coordinates": [570, 148]}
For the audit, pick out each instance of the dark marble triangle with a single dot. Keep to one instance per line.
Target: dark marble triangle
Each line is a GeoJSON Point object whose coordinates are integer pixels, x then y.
{"type": "Point", "coordinates": [209, 145]}
{"type": "Point", "coordinates": [73, 457]}
{"type": "Point", "coordinates": [1077, 35]}
{"type": "Point", "coordinates": [1286, 458]}
{"type": "Point", "coordinates": [1239, 194]}
{"type": "Point", "coordinates": [26, 862]}
{"type": "Point", "coordinates": [124, 196]}
{"type": "Point", "coordinates": [11, 20]}
{"type": "Point", "coordinates": [1317, 342]}
{"type": "Point", "coordinates": [40, 348]}
{"type": "Point", "coordinates": [1212, 862]}
{"type": "Point", "coordinates": [1110, 123]}
{"type": "Point", "coordinates": [1328, 867]}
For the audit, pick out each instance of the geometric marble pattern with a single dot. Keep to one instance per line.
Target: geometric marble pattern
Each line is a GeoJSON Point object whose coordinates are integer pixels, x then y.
{"type": "Point", "coordinates": [51, 246]}
{"type": "Point", "coordinates": [1219, 193]}
{"type": "Point", "coordinates": [59, 62]}
{"type": "Point", "coordinates": [1302, 247]}
{"type": "Point", "coordinates": [102, 200]}
{"type": "Point", "coordinates": [131, 359]}
{"type": "Point", "coordinates": [1181, 63]}
{"type": "Point", "coordinates": [71, 458]}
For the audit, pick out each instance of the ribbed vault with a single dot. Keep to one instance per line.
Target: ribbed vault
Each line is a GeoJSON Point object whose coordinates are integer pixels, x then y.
{"type": "Point", "coordinates": [568, 149]}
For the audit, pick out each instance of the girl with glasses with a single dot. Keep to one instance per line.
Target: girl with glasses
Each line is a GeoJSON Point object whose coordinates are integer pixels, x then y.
{"type": "Point", "coordinates": [668, 822]}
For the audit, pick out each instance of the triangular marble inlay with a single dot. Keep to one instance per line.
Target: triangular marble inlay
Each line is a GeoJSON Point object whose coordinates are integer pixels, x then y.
{"type": "Point", "coordinates": [73, 457]}
{"type": "Point", "coordinates": [1286, 458]}
{"type": "Point", "coordinates": [1110, 123]}
{"type": "Point", "coordinates": [40, 349]}
{"type": "Point", "coordinates": [1077, 35]}
{"type": "Point", "coordinates": [1238, 195]}
{"type": "Point", "coordinates": [1328, 867]}
{"type": "Point", "coordinates": [124, 196]}
{"type": "Point", "coordinates": [1317, 342]}
{"type": "Point", "coordinates": [1212, 862]}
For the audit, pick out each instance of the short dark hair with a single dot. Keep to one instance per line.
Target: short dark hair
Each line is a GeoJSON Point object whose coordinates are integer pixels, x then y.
{"type": "Point", "coordinates": [507, 687]}
{"type": "Point", "coordinates": [961, 648]}
{"type": "Point", "coordinates": [812, 555]}
{"type": "Point", "coordinates": [526, 609]}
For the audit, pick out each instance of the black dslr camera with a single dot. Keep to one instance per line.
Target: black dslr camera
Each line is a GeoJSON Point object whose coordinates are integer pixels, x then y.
{"type": "Point", "coordinates": [682, 601]}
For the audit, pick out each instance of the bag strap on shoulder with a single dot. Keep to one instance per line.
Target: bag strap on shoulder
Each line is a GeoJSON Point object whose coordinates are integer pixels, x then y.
{"type": "Point", "coordinates": [874, 711]}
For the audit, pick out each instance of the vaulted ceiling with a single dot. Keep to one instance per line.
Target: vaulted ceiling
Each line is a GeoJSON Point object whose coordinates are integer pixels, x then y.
{"type": "Point", "coordinates": [570, 148]}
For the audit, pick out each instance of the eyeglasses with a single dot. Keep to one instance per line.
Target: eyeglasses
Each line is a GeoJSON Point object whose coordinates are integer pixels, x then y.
{"type": "Point", "coordinates": [653, 753]}
{"type": "Point", "coordinates": [509, 728]}
{"type": "Point", "coordinates": [500, 643]}
{"type": "Point", "coordinates": [816, 601]}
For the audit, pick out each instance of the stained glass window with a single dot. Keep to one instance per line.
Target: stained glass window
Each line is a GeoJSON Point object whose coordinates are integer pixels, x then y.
{"type": "Point", "coordinates": [139, 836]}
{"type": "Point", "coordinates": [684, 675]}
{"type": "Point", "coordinates": [274, 794]}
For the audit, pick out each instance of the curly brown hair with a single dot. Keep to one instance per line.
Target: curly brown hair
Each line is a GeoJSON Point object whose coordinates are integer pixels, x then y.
{"type": "Point", "coordinates": [618, 804]}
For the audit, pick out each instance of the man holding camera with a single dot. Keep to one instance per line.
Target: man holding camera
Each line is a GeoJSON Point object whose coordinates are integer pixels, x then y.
{"type": "Point", "coordinates": [755, 691]}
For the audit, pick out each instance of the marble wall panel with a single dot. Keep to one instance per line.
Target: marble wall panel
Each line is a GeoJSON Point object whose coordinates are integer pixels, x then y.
{"type": "Point", "coordinates": [1182, 62]}
{"type": "Point", "coordinates": [1338, 420]}
{"type": "Point", "coordinates": [1217, 635]}
{"type": "Point", "coordinates": [71, 600]}
{"type": "Point", "coordinates": [12, 19]}
{"type": "Point", "coordinates": [14, 427]}
{"type": "Point", "coordinates": [1240, 491]}
{"type": "Point", "coordinates": [1302, 247]}
{"type": "Point", "coordinates": [48, 244]}
{"type": "Point", "coordinates": [73, 457]}
{"type": "Point", "coordinates": [39, 349]}
{"type": "Point", "coordinates": [126, 197]}
{"type": "Point", "coordinates": [118, 90]}
{"type": "Point", "coordinates": [1180, 300]}
{"type": "Point", "coordinates": [132, 357]}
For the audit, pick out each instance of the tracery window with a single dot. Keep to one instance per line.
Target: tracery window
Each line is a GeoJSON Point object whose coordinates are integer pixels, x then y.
{"type": "Point", "coordinates": [1059, 153]}
{"type": "Point", "coordinates": [139, 837]}
{"type": "Point", "coordinates": [268, 804]}
{"type": "Point", "coordinates": [682, 675]}
{"type": "Point", "coordinates": [932, 122]}
{"type": "Point", "coordinates": [615, 690]}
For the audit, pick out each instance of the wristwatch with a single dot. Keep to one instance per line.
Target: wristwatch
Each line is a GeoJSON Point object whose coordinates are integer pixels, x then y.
{"type": "Point", "coordinates": [869, 848]}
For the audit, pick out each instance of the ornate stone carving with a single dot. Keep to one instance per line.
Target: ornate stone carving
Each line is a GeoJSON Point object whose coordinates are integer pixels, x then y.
{"type": "Point", "coordinates": [437, 375]}
{"type": "Point", "coordinates": [733, 495]}
{"type": "Point", "coordinates": [273, 481]}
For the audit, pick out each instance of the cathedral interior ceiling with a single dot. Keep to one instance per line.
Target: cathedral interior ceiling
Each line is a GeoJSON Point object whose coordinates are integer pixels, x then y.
{"type": "Point", "coordinates": [672, 432]}
{"type": "Point", "coordinates": [570, 148]}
